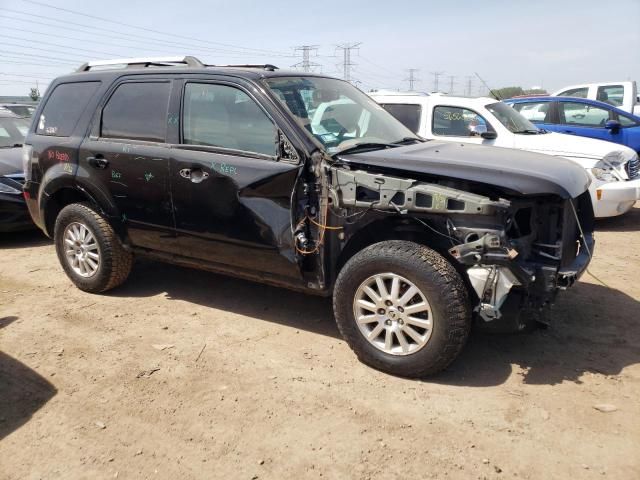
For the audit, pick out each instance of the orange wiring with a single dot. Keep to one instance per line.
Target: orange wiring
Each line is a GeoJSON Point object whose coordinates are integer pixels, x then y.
{"type": "Point", "coordinates": [322, 232]}
{"type": "Point", "coordinates": [326, 227]}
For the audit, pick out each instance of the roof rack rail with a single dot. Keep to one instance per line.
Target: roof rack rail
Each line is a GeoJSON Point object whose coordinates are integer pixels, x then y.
{"type": "Point", "coordinates": [266, 66]}
{"type": "Point", "coordinates": [142, 62]}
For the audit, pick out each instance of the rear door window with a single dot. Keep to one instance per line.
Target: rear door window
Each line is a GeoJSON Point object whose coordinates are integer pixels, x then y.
{"type": "Point", "coordinates": [536, 112]}
{"type": "Point", "coordinates": [137, 111]}
{"type": "Point", "coordinates": [407, 114]}
{"type": "Point", "coordinates": [64, 108]}
{"type": "Point", "coordinates": [611, 94]}
{"type": "Point", "coordinates": [581, 92]}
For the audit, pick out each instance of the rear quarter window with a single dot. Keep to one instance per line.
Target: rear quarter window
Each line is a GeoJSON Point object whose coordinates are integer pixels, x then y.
{"type": "Point", "coordinates": [64, 107]}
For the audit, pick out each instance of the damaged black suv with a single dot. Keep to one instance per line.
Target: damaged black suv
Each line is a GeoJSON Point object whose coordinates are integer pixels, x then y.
{"type": "Point", "coordinates": [302, 181]}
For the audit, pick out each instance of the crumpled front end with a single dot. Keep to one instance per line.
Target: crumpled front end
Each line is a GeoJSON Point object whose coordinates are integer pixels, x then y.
{"type": "Point", "coordinates": [517, 252]}
{"type": "Point", "coordinates": [545, 247]}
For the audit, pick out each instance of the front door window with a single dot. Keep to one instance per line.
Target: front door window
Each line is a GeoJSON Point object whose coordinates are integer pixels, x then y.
{"type": "Point", "coordinates": [573, 113]}
{"type": "Point", "coordinates": [458, 122]}
{"type": "Point", "coordinates": [226, 117]}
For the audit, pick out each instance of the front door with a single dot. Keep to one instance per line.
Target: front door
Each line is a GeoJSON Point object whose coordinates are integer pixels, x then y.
{"type": "Point", "coordinates": [231, 193]}
{"type": "Point", "coordinates": [129, 158]}
{"type": "Point", "coordinates": [459, 124]}
{"type": "Point", "coordinates": [584, 120]}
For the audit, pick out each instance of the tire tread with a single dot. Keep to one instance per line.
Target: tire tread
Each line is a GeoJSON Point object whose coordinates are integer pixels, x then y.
{"type": "Point", "coordinates": [445, 279]}
{"type": "Point", "coordinates": [115, 257]}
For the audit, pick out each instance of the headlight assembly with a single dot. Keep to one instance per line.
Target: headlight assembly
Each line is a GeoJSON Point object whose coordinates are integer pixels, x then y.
{"type": "Point", "coordinates": [603, 175]}
{"type": "Point", "coordinates": [614, 159]}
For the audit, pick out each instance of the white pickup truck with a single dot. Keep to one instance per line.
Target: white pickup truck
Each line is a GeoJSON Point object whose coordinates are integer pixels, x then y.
{"type": "Point", "coordinates": [613, 168]}
{"type": "Point", "coordinates": [623, 95]}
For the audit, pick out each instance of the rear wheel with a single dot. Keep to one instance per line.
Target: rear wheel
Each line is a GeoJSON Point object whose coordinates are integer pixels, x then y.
{"type": "Point", "coordinates": [89, 250]}
{"type": "Point", "coordinates": [402, 308]}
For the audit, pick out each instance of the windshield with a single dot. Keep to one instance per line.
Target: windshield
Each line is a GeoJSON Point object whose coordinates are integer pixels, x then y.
{"type": "Point", "coordinates": [511, 119]}
{"type": "Point", "coordinates": [12, 131]}
{"type": "Point", "coordinates": [336, 113]}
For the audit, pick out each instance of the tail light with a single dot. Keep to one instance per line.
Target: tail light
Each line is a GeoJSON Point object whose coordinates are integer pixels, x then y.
{"type": "Point", "coordinates": [27, 152]}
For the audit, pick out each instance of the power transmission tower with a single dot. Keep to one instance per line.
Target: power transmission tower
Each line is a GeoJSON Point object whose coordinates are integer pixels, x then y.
{"type": "Point", "coordinates": [436, 77]}
{"type": "Point", "coordinates": [346, 58]}
{"type": "Point", "coordinates": [412, 78]}
{"type": "Point", "coordinates": [306, 64]}
{"type": "Point", "coordinates": [469, 82]}
{"type": "Point", "coordinates": [451, 82]}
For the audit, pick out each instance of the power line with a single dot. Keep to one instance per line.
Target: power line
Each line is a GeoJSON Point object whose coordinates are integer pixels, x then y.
{"type": "Point", "coordinates": [347, 64]}
{"type": "Point", "coordinates": [23, 75]}
{"type": "Point", "coordinates": [29, 41]}
{"type": "Point", "coordinates": [80, 39]}
{"type": "Point", "coordinates": [306, 64]}
{"type": "Point", "coordinates": [412, 78]}
{"type": "Point", "coordinates": [19, 82]}
{"type": "Point", "coordinates": [469, 83]}
{"type": "Point", "coordinates": [436, 77]}
{"type": "Point", "coordinates": [173, 35]}
{"type": "Point", "coordinates": [127, 36]}
{"type": "Point", "coordinates": [379, 67]}
{"type": "Point", "coordinates": [71, 61]}
{"type": "Point", "coordinates": [375, 75]}
{"type": "Point", "coordinates": [451, 82]}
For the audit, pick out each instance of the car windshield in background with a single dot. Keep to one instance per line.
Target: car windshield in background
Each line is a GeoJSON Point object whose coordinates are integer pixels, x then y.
{"type": "Point", "coordinates": [12, 131]}
{"type": "Point", "coordinates": [511, 119]}
{"type": "Point", "coordinates": [21, 110]}
{"type": "Point", "coordinates": [337, 114]}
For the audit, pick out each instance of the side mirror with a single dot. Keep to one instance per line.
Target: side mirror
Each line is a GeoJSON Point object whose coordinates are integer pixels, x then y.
{"type": "Point", "coordinates": [477, 130]}
{"type": "Point", "coordinates": [489, 135]}
{"type": "Point", "coordinates": [613, 125]}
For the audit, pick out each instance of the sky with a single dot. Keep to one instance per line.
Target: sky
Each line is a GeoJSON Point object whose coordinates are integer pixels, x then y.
{"type": "Point", "coordinates": [547, 43]}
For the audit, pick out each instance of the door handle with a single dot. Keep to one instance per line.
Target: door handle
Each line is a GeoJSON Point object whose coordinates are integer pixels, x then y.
{"type": "Point", "coordinates": [196, 175]}
{"type": "Point", "coordinates": [569, 131]}
{"type": "Point", "coordinates": [98, 162]}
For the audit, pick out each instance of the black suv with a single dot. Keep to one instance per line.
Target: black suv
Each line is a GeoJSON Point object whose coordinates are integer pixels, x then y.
{"type": "Point", "coordinates": [303, 181]}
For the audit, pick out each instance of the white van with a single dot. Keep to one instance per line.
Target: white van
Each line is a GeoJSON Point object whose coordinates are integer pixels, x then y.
{"type": "Point", "coordinates": [613, 168]}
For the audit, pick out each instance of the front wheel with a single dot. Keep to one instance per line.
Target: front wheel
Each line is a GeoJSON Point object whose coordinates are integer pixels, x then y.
{"type": "Point", "coordinates": [89, 249]}
{"type": "Point", "coordinates": [402, 308]}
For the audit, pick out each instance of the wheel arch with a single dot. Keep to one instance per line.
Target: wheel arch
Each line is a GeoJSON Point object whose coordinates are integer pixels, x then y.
{"type": "Point", "coordinates": [66, 194]}
{"type": "Point", "coordinates": [398, 229]}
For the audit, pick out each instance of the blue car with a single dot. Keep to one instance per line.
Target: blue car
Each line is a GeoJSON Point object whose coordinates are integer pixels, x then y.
{"type": "Point", "coordinates": [581, 116]}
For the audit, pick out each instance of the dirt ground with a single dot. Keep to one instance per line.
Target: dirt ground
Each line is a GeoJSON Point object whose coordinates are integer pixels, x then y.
{"type": "Point", "coordinates": [186, 374]}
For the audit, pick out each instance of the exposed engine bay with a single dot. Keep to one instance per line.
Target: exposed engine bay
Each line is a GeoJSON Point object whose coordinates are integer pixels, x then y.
{"type": "Point", "coordinates": [522, 247]}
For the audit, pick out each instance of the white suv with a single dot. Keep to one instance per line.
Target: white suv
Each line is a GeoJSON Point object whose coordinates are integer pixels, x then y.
{"type": "Point", "coordinates": [490, 122]}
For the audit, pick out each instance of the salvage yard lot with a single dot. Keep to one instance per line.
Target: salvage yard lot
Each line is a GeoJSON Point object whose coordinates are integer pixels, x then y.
{"type": "Point", "coordinates": [187, 374]}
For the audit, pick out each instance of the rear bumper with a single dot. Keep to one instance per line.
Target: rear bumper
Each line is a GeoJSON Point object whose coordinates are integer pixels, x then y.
{"type": "Point", "coordinates": [615, 198]}
{"type": "Point", "coordinates": [30, 190]}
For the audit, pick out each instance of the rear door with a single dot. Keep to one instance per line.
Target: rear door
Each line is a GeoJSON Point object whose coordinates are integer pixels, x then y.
{"type": "Point", "coordinates": [231, 189]}
{"type": "Point", "coordinates": [128, 156]}
{"type": "Point", "coordinates": [409, 114]}
{"type": "Point", "coordinates": [538, 113]}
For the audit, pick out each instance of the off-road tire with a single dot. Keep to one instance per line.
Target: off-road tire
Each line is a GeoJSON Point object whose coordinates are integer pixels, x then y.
{"type": "Point", "coordinates": [440, 283]}
{"type": "Point", "coordinates": [115, 263]}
